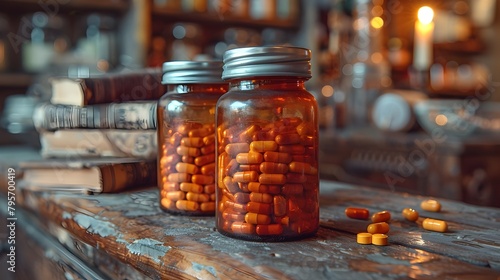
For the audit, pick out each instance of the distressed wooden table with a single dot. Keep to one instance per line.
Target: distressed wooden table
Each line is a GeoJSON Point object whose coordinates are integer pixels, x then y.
{"type": "Point", "coordinates": [126, 236]}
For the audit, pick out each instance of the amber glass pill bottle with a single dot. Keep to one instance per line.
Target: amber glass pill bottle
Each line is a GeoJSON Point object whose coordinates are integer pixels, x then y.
{"type": "Point", "coordinates": [267, 146]}
{"type": "Point", "coordinates": [186, 136]}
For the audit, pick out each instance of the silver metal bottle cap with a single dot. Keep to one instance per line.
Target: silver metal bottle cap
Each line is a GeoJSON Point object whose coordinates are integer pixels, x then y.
{"type": "Point", "coordinates": [267, 61]}
{"type": "Point", "coordinates": [192, 72]}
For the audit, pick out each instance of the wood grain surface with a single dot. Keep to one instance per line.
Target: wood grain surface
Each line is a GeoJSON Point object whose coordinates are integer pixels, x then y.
{"type": "Point", "coordinates": [128, 232]}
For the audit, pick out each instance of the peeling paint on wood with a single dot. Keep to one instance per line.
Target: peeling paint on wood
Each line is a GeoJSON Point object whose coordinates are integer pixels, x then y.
{"type": "Point", "coordinates": [150, 248]}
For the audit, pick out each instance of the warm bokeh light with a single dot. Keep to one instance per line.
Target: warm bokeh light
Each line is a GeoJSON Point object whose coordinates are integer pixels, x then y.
{"type": "Point", "coordinates": [377, 22]}
{"type": "Point", "coordinates": [327, 91]}
{"type": "Point", "coordinates": [441, 120]}
{"type": "Point", "coordinates": [425, 15]}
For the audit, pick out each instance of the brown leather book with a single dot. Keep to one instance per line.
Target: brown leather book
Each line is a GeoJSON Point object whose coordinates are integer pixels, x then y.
{"type": "Point", "coordinates": [143, 84]}
{"type": "Point", "coordinates": [99, 175]}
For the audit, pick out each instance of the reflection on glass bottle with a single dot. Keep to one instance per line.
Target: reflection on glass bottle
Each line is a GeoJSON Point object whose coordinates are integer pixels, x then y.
{"type": "Point", "coordinates": [47, 40]}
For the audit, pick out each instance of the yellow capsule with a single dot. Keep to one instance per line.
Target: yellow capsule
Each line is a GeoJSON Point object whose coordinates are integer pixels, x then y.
{"type": "Point", "coordinates": [277, 157]}
{"type": "Point", "coordinates": [364, 238]}
{"type": "Point", "coordinates": [302, 167]}
{"type": "Point", "coordinates": [246, 176]}
{"type": "Point", "coordinates": [263, 146]}
{"type": "Point", "coordinates": [189, 168]}
{"type": "Point", "coordinates": [257, 219]}
{"type": "Point", "coordinates": [192, 142]}
{"type": "Point", "coordinates": [292, 149]}
{"type": "Point", "coordinates": [410, 214]}
{"type": "Point", "coordinates": [431, 205]}
{"type": "Point", "coordinates": [179, 177]}
{"type": "Point", "coordinates": [167, 203]}
{"type": "Point", "coordinates": [279, 203]}
{"type": "Point", "coordinates": [379, 239]}
{"type": "Point", "coordinates": [249, 158]}
{"type": "Point", "coordinates": [435, 225]}
{"type": "Point", "coordinates": [202, 179]}
{"type": "Point", "coordinates": [178, 195]}
{"type": "Point", "coordinates": [381, 227]}
{"type": "Point", "coordinates": [198, 197]}
{"type": "Point", "coordinates": [241, 197]}
{"type": "Point", "coordinates": [208, 169]}
{"type": "Point", "coordinates": [208, 206]}
{"type": "Point", "coordinates": [243, 228]}
{"type": "Point", "coordinates": [187, 205]}
{"type": "Point", "coordinates": [273, 229]}
{"type": "Point", "coordinates": [259, 208]}
{"type": "Point", "coordinates": [188, 151]}
{"type": "Point", "coordinates": [204, 159]}
{"type": "Point", "coordinates": [260, 197]}
{"type": "Point", "coordinates": [288, 139]}
{"type": "Point", "coordinates": [235, 148]}
{"type": "Point", "coordinates": [382, 216]}
{"type": "Point", "coordinates": [273, 167]}
{"type": "Point", "coordinates": [272, 179]}
{"type": "Point", "coordinates": [191, 187]}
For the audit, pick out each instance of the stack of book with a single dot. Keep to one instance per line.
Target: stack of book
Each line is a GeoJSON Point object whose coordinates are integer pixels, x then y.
{"type": "Point", "coordinates": [97, 134]}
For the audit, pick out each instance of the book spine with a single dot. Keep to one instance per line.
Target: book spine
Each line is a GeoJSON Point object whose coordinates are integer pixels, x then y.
{"type": "Point", "coordinates": [123, 87]}
{"type": "Point", "coordinates": [129, 115]}
{"type": "Point", "coordinates": [98, 143]}
{"type": "Point", "coordinates": [123, 176]}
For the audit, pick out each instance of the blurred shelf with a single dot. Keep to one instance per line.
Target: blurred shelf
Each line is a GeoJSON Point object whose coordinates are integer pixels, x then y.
{"type": "Point", "coordinates": [212, 19]}
{"type": "Point", "coordinates": [16, 80]}
{"type": "Point", "coordinates": [53, 7]}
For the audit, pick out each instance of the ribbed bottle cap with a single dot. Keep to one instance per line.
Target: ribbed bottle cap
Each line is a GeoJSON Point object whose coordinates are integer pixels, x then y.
{"type": "Point", "coordinates": [192, 72]}
{"type": "Point", "coordinates": [267, 61]}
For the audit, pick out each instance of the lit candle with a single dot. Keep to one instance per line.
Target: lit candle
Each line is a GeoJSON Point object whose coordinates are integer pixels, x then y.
{"type": "Point", "coordinates": [422, 48]}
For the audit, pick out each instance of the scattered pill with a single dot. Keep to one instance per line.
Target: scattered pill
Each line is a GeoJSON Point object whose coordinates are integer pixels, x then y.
{"type": "Point", "coordinates": [357, 213]}
{"type": "Point", "coordinates": [379, 239]}
{"type": "Point", "coordinates": [431, 205]}
{"type": "Point", "coordinates": [381, 227]}
{"type": "Point", "coordinates": [382, 216]}
{"type": "Point", "coordinates": [435, 225]}
{"type": "Point", "coordinates": [364, 238]}
{"type": "Point", "coordinates": [410, 214]}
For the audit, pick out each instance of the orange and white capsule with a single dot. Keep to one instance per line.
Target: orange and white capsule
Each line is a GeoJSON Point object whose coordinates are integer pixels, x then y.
{"type": "Point", "coordinates": [235, 148]}
{"type": "Point", "coordinates": [246, 176]}
{"type": "Point", "coordinates": [257, 219]}
{"type": "Point", "coordinates": [249, 158]}
{"type": "Point", "coordinates": [272, 229]}
{"type": "Point", "coordinates": [273, 167]}
{"type": "Point", "coordinates": [243, 228]}
{"type": "Point", "coordinates": [189, 168]}
{"type": "Point", "coordinates": [191, 187]}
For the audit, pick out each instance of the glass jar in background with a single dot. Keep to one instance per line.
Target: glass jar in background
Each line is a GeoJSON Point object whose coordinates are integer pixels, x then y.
{"type": "Point", "coordinates": [267, 146]}
{"type": "Point", "coordinates": [47, 41]}
{"type": "Point", "coordinates": [186, 136]}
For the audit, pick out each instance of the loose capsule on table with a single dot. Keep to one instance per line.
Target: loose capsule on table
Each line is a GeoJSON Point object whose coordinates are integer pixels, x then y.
{"type": "Point", "coordinates": [430, 205]}
{"type": "Point", "coordinates": [186, 136]}
{"type": "Point", "coordinates": [382, 216]}
{"type": "Point", "coordinates": [381, 227]}
{"type": "Point", "coordinates": [410, 214]}
{"type": "Point", "coordinates": [267, 146]}
{"type": "Point", "coordinates": [435, 225]}
{"type": "Point", "coordinates": [357, 213]}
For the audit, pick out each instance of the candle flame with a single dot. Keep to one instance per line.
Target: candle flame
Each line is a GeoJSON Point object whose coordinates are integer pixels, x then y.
{"type": "Point", "coordinates": [425, 15]}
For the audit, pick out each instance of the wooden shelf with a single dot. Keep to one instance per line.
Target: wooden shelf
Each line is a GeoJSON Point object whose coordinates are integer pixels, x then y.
{"type": "Point", "coordinates": [224, 20]}
{"type": "Point", "coordinates": [115, 6]}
